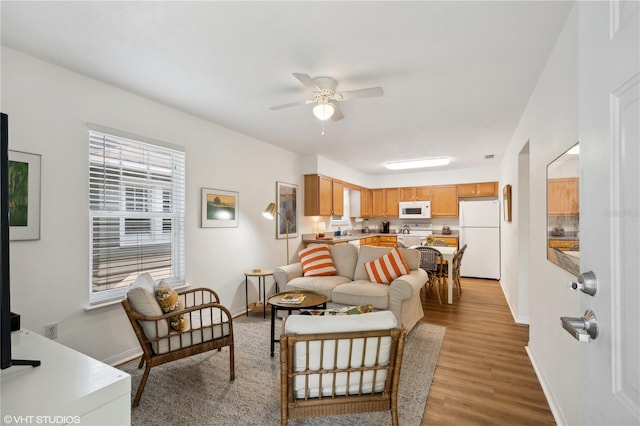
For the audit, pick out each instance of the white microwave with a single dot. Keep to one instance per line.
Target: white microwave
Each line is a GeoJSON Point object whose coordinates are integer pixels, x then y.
{"type": "Point", "coordinates": [415, 210]}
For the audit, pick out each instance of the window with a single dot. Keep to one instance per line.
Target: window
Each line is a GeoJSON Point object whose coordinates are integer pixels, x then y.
{"type": "Point", "coordinates": [136, 212]}
{"type": "Point", "coordinates": [346, 213]}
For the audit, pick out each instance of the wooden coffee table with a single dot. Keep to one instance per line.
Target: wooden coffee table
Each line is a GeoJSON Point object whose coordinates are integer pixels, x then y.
{"type": "Point", "coordinates": [313, 300]}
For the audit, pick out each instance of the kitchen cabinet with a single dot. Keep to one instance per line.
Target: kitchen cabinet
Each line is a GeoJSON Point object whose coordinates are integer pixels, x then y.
{"type": "Point", "coordinates": [481, 189]}
{"type": "Point", "coordinates": [415, 193]}
{"type": "Point", "coordinates": [563, 198]}
{"type": "Point", "coordinates": [444, 200]}
{"type": "Point", "coordinates": [370, 241]}
{"type": "Point", "coordinates": [365, 203]}
{"type": "Point", "coordinates": [388, 241]}
{"type": "Point", "coordinates": [323, 196]}
{"type": "Point", "coordinates": [563, 244]}
{"type": "Point", "coordinates": [384, 202]}
{"type": "Point", "coordinates": [451, 241]}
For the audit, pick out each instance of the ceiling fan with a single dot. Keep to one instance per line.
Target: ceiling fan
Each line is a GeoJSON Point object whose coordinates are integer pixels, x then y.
{"type": "Point", "coordinates": [325, 96]}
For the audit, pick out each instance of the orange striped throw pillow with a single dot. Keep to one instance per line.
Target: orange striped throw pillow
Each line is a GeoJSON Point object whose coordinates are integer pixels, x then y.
{"type": "Point", "coordinates": [316, 261]}
{"type": "Point", "coordinates": [386, 268]}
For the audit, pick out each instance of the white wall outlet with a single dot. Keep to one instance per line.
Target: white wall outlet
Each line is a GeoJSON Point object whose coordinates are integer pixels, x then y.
{"type": "Point", "coordinates": [51, 330]}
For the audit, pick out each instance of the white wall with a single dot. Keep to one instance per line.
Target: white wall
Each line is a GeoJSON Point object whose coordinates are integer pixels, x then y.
{"type": "Point", "coordinates": [550, 124]}
{"type": "Point", "coordinates": [48, 108]}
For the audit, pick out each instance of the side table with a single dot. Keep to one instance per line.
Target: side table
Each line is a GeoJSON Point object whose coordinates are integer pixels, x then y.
{"type": "Point", "coordinates": [262, 278]}
{"type": "Point", "coordinates": [311, 300]}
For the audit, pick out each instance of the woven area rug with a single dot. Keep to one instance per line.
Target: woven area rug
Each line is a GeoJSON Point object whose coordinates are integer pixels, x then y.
{"type": "Point", "coordinates": [197, 390]}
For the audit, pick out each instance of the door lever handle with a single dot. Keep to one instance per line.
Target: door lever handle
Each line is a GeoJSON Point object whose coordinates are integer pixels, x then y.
{"type": "Point", "coordinates": [583, 329]}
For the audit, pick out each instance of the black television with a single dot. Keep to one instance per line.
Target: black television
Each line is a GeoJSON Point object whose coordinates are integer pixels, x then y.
{"type": "Point", "coordinates": [5, 283]}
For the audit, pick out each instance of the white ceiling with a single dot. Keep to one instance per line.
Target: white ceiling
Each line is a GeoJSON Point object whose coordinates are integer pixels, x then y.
{"type": "Point", "coordinates": [456, 75]}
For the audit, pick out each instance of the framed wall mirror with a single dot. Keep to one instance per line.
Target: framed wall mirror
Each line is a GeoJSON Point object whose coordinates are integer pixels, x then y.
{"type": "Point", "coordinates": [563, 211]}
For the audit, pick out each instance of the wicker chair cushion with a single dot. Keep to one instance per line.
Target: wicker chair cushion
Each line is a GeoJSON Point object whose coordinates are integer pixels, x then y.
{"type": "Point", "coordinates": [201, 330]}
{"type": "Point", "coordinates": [141, 295]}
{"type": "Point", "coordinates": [305, 324]}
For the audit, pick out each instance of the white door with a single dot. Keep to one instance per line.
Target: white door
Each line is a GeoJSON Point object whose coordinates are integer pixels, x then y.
{"type": "Point", "coordinates": [609, 107]}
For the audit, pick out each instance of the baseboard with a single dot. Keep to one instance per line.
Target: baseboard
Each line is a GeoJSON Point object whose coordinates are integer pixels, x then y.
{"type": "Point", "coordinates": [516, 318]}
{"type": "Point", "coordinates": [546, 389]}
{"type": "Point", "coordinates": [123, 357]}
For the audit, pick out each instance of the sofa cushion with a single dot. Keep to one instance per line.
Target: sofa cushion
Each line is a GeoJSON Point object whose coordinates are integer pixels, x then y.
{"type": "Point", "coordinates": [316, 261]}
{"type": "Point", "coordinates": [387, 267]}
{"type": "Point", "coordinates": [362, 292]}
{"type": "Point", "coordinates": [322, 285]}
{"type": "Point", "coordinates": [344, 258]}
{"type": "Point", "coordinates": [369, 253]}
{"type": "Point", "coordinates": [142, 298]}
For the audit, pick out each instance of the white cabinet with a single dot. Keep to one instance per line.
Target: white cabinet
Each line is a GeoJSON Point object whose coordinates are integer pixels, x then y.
{"type": "Point", "coordinates": [67, 383]}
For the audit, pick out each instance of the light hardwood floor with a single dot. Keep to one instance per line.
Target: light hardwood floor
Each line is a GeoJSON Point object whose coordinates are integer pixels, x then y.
{"type": "Point", "coordinates": [484, 376]}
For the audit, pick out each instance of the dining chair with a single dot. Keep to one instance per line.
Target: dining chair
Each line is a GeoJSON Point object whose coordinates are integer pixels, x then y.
{"type": "Point", "coordinates": [457, 262]}
{"type": "Point", "coordinates": [439, 243]}
{"type": "Point", "coordinates": [431, 262]}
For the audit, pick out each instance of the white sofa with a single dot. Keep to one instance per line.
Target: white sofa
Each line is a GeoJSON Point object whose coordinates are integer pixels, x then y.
{"type": "Point", "coordinates": [351, 285]}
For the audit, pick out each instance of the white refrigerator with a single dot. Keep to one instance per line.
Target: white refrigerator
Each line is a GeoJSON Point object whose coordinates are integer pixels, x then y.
{"type": "Point", "coordinates": [480, 230]}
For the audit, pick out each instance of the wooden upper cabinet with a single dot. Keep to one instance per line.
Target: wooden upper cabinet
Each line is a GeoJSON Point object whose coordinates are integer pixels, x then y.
{"type": "Point", "coordinates": [392, 198]}
{"type": "Point", "coordinates": [365, 202]}
{"type": "Point", "coordinates": [563, 196]}
{"type": "Point", "coordinates": [480, 189]}
{"type": "Point", "coordinates": [323, 196]}
{"type": "Point", "coordinates": [384, 202]}
{"type": "Point", "coordinates": [337, 191]}
{"type": "Point", "coordinates": [377, 203]}
{"type": "Point", "coordinates": [444, 200]}
{"type": "Point", "coordinates": [415, 193]}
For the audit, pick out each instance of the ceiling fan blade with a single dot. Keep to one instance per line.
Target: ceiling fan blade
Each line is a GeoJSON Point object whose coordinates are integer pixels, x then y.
{"type": "Point", "coordinates": [337, 113]}
{"type": "Point", "coordinates": [307, 81]}
{"type": "Point", "coordinates": [277, 107]}
{"type": "Point", "coordinates": [371, 92]}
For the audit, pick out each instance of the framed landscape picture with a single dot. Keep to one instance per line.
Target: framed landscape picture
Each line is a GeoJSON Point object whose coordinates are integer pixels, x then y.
{"type": "Point", "coordinates": [287, 199]}
{"type": "Point", "coordinates": [220, 209]}
{"type": "Point", "coordinates": [24, 196]}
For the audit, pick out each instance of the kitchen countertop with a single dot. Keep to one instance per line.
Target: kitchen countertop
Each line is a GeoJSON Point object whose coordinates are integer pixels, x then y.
{"type": "Point", "coordinates": [345, 238]}
{"type": "Point", "coordinates": [310, 238]}
{"type": "Point", "coordinates": [570, 236]}
{"type": "Point", "coordinates": [453, 234]}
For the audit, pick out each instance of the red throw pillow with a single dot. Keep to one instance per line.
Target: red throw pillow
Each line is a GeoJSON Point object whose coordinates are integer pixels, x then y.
{"type": "Point", "coordinates": [386, 268]}
{"type": "Point", "coordinates": [316, 261]}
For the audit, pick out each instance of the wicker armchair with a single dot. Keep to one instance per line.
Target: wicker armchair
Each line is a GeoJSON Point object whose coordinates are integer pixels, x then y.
{"type": "Point", "coordinates": [334, 365]}
{"type": "Point", "coordinates": [457, 262]}
{"type": "Point", "coordinates": [210, 327]}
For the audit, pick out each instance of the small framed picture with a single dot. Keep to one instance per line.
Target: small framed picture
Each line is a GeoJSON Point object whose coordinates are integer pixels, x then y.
{"type": "Point", "coordinates": [287, 198]}
{"type": "Point", "coordinates": [24, 196]}
{"type": "Point", "coordinates": [506, 199]}
{"type": "Point", "coordinates": [220, 209]}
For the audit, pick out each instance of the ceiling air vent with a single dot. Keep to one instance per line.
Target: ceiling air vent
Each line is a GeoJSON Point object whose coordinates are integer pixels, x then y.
{"type": "Point", "coordinates": [489, 156]}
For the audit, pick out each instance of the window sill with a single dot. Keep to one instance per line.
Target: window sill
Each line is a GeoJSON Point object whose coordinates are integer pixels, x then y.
{"type": "Point", "coordinates": [116, 301]}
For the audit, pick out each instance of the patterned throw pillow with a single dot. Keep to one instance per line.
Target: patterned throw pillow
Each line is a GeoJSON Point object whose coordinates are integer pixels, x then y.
{"type": "Point", "coordinates": [386, 268]}
{"type": "Point", "coordinates": [347, 310]}
{"type": "Point", "coordinates": [316, 261]}
{"type": "Point", "coordinates": [170, 302]}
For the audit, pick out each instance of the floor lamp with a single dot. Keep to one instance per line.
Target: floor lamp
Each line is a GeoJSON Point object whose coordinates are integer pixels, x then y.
{"type": "Point", "coordinates": [270, 213]}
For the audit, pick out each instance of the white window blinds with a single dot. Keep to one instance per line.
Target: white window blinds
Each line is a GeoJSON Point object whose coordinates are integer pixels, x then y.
{"type": "Point", "coordinates": [136, 211]}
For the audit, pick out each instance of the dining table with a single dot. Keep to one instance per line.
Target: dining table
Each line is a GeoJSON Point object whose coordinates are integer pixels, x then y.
{"type": "Point", "coordinates": [447, 254]}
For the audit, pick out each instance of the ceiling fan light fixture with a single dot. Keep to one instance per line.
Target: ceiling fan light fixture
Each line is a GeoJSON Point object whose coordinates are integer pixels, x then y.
{"type": "Point", "coordinates": [417, 164]}
{"type": "Point", "coordinates": [324, 110]}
